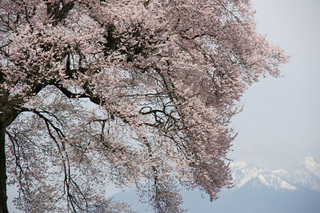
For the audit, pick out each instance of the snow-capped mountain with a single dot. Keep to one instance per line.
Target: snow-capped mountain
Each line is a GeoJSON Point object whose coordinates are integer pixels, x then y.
{"type": "Point", "coordinates": [249, 175]}
{"type": "Point", "coordinates": [257, 189]}
{"type": "Point", "coordinates": [309, 176]}
{"type": "Point", "coordinates": [312, 166]}
{"type": "Point", "coordinates": [245, 175]}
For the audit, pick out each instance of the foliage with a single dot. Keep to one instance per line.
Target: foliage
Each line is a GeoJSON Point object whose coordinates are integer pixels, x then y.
{"type": "Point", "coordinates": [124, 92]}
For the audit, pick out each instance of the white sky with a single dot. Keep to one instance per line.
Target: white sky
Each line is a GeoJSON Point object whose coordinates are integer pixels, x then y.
{"type": "Point", "coordinates": [280, 124]}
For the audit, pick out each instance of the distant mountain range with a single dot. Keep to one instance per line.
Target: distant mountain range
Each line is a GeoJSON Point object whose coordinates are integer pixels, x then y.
{"type": "Point", "coordinates": [308, 178]}
{"type": "Point", "coordinates": [257, 190]}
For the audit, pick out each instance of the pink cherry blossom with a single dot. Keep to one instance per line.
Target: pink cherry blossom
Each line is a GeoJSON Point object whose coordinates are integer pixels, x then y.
{"type": "Point", "coordinates": [124, 92]}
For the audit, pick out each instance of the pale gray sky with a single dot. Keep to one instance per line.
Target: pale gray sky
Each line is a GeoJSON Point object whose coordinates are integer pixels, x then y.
{"type": "Point", "coordinates": [280, 124]}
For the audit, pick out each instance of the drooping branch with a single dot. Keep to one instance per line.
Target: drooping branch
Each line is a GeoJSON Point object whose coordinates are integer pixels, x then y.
{"type": "Point", "coordinates": [59, 138]}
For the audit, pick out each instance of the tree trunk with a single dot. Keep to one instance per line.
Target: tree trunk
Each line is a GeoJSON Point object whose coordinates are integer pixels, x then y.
{"type": "Point", "coordinates": [3, 174]}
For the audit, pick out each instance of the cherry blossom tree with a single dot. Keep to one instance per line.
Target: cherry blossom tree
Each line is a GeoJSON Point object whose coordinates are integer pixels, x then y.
{"type": "Point", "coordinates": [124, 92]}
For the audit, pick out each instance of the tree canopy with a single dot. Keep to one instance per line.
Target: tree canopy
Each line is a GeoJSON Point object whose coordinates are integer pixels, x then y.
{"type": "Point", "coordinates": [125, 92]}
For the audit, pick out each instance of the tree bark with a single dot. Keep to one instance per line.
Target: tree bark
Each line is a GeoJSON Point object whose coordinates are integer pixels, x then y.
{"type": "Point", "coordinates": [3, 173]}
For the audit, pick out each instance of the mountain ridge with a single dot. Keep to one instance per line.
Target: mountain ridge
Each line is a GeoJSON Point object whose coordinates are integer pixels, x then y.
{"type": "Point", "coordinates": [308, 177]}
{"type": "Point", "coordinates": [257, 189]}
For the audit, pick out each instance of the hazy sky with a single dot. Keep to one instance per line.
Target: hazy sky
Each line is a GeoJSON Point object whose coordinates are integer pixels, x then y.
{"type": "Point", "coordinates": [280, 124]}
